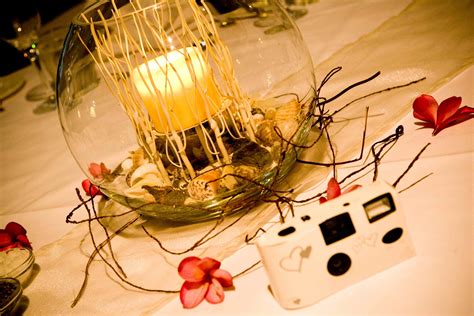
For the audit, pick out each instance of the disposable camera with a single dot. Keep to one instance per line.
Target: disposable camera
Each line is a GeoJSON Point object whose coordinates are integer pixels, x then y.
{"type": "Point", "coordinates": [330, 246]}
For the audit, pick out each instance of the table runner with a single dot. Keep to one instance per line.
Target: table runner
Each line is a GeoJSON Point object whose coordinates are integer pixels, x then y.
{"type": "Point", "coordinates": [415, 44]}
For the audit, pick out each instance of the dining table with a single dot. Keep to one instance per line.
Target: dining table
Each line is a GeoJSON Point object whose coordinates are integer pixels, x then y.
{"type": "Point", "coordinates": [39, 176]}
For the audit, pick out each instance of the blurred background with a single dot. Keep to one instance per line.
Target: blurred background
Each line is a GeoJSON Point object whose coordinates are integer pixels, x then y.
{"type": "Point", "coordinates": [12, 58]}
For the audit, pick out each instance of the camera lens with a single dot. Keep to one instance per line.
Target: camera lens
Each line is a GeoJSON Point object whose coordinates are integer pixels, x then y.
{"type": "Point", "coordinates": [338, 264]}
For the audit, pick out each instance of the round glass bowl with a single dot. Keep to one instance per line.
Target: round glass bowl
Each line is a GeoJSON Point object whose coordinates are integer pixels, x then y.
{"type": "Point", "coordinates": [10, 294]}
{"type": "Point", "coordinates": [17, 263]}
{"type": "Point", "coordinates": [177, 117]}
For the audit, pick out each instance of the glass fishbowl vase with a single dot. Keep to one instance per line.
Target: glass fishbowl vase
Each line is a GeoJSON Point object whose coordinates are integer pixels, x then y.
{"type": "Point", "coordinates": [178, 116]}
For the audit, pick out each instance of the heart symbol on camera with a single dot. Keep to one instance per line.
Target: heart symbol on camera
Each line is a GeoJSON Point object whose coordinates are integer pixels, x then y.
{"type": "Point", "coordinates": [294, 261]}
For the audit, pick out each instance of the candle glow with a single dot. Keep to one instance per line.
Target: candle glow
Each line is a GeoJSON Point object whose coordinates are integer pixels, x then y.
{"type": "Point", "coordinates": [168, 86]}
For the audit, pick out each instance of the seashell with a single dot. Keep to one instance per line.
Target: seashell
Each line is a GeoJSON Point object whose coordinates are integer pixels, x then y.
{"type": "Point", "coordinates": [205, 186]}
{"type": "Point", "coordinates": [127, 164]}
{"type": "Point", "coordinates": [266, 133]}
{"type": "Point", "coordinates": [139, 193]}
{"type": "Point", "coordinates": [247, 172]}
{"type": "Point", "coordinates": [288, 111]}
{"type": "Point", "coordinates": [138, 157]}
{"type": "Point", "coordinates": [270, 113]}
{"type": "Point", "coordinates": [227, 180]}
{"type": "Point", "coordinates": [258, 117]}
{"type": "Point", "coordinates": [144, 171]}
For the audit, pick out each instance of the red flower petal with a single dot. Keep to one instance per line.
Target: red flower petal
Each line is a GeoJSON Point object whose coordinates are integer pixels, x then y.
{"type": "Point", "coordinates": [15, 229]}
{"type": "Point", "coordinates": [190, 271]}
{"type": "Point", "coordinates": [5, 238]}
{"type": "Point", "coordinates": [215, 293]}
{"type": "Point", "coordinates": [192, 293]}
{"type": "Point", "coordinates": [322, 200]}
{"type": "Point", "coordinates": [89, 188]}
{"type": "Point", "coordinates": [223, 276]}
{"type": "Point", "coordinates": [463, 114]}
{"type": "Point", "coordinates": [334, 190]}
{"type": "Point", "coordinates": [447, 108]}
{"type": "Point", "coordinates": [207, 264]}
{"type": "Point", "coordinates": [425, 108]}
{"type": "Point", "coordinates": [23, 240]}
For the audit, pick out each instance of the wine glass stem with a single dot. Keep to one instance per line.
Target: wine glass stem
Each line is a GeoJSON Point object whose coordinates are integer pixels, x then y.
{"type": "Point", "coordinates": [32, 53]}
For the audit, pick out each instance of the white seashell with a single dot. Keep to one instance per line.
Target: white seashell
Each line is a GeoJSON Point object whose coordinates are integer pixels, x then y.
{"type": "Point", "coordinates": [143, 171]}
{"type": "Point", "coordinates": [139, 193]}
{"type": "Point", "coordinates": [127, 164]}
{"type": "Point", "coordinates": [266, 133]}
{"type": "Point", "coordinates": [205, 186]}
{"type": "Point", "coordinates": [258, 117]}
{"type": "Point", "coordinates": [227, 180]}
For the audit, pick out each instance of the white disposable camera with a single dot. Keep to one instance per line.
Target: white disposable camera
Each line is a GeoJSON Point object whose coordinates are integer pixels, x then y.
{"type": "Point", "coordinates": [328, 247]}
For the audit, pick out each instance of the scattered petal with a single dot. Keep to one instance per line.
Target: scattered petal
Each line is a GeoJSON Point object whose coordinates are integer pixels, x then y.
{"type": "Point", "coordinates": [215, 293]}
{"type": "Point", "coordinates": [333, 190]}
{"type": "Point", "coordinates": [463, 114]}
{"type": "Point", "coordinates": [203, 279]}
{"type": "Point", "coordinates": [192, 293]}
{"type": "Point", "coordinates": [425, 108]}
{"type": "Point", "coordinates": [447, 108]}
{"type": "Point", "coordinates": [190, 271]}
{"type": "Point", "coordinates": [207, 264]}
{"type": "Point", "coordinates": [440, 117]}
{"type": "Point", "coordinates": [223, 276]}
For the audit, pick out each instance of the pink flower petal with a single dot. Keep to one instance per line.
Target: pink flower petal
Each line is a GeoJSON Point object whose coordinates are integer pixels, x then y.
{"type": "Point", "coordinates": [190, 271]}
{"type": "Point", "coordinates": [95, 169]}
{"type": "Point", "coordinates": [223, 276]}
{"type": "Point", "coordinates": [192, 293]}
{"type": "Point", "coordinates": [207, 264]}
{"type": "Point", "coordinates": [425, 108]}
{"type": "Point", "coordinates": [447, 108]}
{"type": "Point", "coordinates": [334, 190]}
{"type": "Point", "coordinates": [215, 294]}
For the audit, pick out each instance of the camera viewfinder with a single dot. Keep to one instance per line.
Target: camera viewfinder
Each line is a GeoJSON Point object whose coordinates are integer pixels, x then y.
{"type": "Point", "coordinates": [379, 207]}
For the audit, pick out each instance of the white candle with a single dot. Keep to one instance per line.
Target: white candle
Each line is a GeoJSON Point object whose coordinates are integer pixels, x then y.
{"type": "Point", "coordinates": [175, 77]}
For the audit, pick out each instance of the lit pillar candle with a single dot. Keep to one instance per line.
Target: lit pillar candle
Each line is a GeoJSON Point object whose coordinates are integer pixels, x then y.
{"type": "Point", "coordinates": [175, 77]}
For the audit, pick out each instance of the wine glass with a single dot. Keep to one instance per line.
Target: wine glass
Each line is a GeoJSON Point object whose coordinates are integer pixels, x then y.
{"type": "Point", "coordinates": [21, 22]}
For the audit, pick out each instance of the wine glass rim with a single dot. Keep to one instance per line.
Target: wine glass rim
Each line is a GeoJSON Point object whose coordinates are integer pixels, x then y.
{"type": "Point", "coordinates": [78, 19]}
